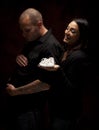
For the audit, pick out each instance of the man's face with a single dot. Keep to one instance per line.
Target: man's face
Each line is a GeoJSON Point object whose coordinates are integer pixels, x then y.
{"type": "Point", "coordinates": [29, 31]}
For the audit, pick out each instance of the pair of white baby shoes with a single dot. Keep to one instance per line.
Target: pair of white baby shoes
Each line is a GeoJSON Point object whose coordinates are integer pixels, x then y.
{"type": "Point", "coordinates": [47, 62]}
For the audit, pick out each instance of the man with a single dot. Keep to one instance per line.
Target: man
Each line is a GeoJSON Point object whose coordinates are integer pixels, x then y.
{"type": "Point", "coordinates": [27, 110]}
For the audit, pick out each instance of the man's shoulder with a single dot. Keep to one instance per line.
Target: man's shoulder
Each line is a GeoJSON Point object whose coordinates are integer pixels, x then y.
{"type": "Point", "coordinates": [51, 37]}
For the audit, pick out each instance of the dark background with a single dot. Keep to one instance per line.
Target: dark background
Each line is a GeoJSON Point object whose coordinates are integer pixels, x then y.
{"type": "Point", "coordinates": [56, 14]}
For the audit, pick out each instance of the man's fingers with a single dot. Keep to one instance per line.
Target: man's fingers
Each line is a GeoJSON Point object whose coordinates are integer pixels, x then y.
{"type": "Point", "coordinates": [22, 60]}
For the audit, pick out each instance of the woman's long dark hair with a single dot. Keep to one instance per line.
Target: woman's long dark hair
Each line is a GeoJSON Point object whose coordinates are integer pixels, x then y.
{"type": "Point", "coordinates": [84, 31]}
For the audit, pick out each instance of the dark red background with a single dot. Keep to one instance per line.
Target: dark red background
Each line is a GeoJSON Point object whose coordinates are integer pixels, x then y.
{"type": "Point", "coordinates": [56, 14]}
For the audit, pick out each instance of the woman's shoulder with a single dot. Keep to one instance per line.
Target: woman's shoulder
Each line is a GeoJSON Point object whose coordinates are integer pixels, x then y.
{"type": "Point", "coordinates": [78, 54]}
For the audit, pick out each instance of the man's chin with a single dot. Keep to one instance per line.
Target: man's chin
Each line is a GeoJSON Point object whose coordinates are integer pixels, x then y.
{"type": "Point", "coordinates": [29, 40]}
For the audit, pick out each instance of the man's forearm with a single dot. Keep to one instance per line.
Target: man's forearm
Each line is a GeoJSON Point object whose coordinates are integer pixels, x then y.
{"type": "Point", "coordinates": [33, 87]}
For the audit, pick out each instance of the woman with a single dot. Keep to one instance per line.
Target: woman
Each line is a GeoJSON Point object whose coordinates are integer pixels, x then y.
{"type": "Point", "coordinates": [66, 102]}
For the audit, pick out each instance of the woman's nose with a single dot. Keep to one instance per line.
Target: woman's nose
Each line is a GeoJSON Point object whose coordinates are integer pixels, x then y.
{"type": "Point", "coordinates": [67, 32]}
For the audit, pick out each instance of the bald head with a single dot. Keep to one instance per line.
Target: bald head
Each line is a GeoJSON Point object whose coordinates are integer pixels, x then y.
{"type": "Point", "coordinates": [31, 24]}
{"type": "Point", "coordinates": [31, 14]}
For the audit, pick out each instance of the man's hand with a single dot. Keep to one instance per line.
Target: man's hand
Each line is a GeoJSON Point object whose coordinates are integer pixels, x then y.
{"type": "Point", "coordinates": [30, 88]}
{"type": "Point", "coordinates": [11, 89]}
{"type": "Point", "coordinates": [22, 60]}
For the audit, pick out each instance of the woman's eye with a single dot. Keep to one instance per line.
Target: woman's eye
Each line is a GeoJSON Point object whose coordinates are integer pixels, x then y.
{"type": "Point", "coordinates": [73, 30]}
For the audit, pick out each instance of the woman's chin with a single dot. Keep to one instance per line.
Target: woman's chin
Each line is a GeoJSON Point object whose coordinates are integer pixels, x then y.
{"type": "Point", "coordinates": [64, 40]}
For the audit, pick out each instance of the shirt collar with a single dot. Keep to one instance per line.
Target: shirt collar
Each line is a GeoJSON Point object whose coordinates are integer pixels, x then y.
{"type": "Point", "coordinates": [44, 37]}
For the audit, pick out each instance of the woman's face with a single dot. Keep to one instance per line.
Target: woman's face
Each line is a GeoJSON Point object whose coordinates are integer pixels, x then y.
{"type": "Point", "coordinates": [72, 33]}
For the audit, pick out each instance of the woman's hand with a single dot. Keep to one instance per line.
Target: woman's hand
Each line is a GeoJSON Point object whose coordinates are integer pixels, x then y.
{"type": "Point", "coordinates": [54, 68]}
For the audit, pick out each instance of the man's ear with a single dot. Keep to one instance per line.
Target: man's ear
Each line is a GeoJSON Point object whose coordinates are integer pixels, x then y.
{"type": "Point", "coordinates": [39, 23]}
